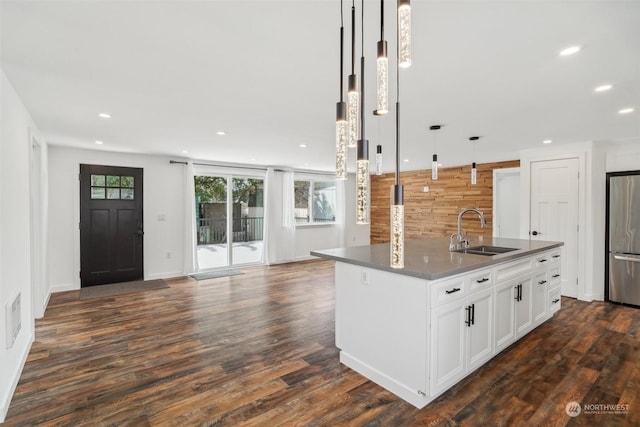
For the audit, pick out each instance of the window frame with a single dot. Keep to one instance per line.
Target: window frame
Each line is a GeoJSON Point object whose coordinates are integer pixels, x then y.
{"type": "Point", "coordinates": [311, 220]}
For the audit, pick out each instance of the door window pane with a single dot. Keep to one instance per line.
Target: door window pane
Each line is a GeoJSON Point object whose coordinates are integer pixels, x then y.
{"type": "Point", "coordinates": [113, 181]}
{"type": "Point", "coordinates": [97, 192]}
{"type": "Point", "coordinates": [126, 193]}
{"type": "Point", "coordinates": [126, 181]}
{"type": "Point", "coordinates": [97, 180]}
{"type": "Point", "coordinates": [113, 193]}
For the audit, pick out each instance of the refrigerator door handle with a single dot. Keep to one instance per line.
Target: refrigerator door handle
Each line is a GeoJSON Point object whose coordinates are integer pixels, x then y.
{"type": "Point", "coordinates": [626, 258]}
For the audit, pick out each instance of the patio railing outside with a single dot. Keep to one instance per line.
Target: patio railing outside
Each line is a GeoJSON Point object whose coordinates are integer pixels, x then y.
{"type": "Point", "coordinates": [213, 231]}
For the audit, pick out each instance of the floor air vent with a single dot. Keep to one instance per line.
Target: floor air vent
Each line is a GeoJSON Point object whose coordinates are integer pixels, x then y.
{"type": "Point", "coordinates": [13, 317]}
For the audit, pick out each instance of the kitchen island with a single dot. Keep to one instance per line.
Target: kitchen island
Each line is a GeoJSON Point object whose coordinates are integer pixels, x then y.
{"type": "Point", "coordinates": [420, 329]}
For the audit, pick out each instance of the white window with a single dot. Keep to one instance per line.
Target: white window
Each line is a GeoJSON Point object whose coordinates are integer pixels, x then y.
{"type": "Point", "coordinates": [315, 202]}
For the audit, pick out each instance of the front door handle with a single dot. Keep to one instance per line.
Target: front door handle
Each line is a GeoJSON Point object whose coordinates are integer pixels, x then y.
{"type": "Point", "coordinates": [535, 233]}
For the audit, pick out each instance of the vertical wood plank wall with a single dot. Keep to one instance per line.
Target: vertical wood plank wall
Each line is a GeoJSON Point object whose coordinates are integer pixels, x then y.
{"type": "Point", "coordinates": [435, 213]}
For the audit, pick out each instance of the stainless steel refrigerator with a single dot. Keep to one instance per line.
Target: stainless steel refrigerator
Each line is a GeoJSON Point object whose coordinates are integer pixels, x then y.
{"type": "Point", "coordinates": [623, 217]}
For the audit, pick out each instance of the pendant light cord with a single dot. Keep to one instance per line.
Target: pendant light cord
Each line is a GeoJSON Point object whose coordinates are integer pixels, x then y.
{"type": "Point", "coordinates": [353, 37]}
{"type": "Point", "coordinates": [341, 52]}
{"type": "Point", "coordinates": [362, 74]}
{"type": "Point", "coordinates": [398, 106]}
{"type": "Point", "coordinates": [381, 20]}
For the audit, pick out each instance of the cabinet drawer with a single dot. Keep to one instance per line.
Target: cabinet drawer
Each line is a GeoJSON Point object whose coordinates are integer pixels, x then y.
{"type": "Point", "coordinates": [543, 260]}
{"type": "Point", "coordinates": [554, 300]}
{"type": "Point", "coordinates": [481, 280]}
{"type": "Point", "coordinates": [449, 290]}
{"type": "Point", "coordinates": [554, 276]}
{"type": "Point", "coordinates": [513, 269]}
{"type": "Point", "coordinates": [555, 256]}
{"type": "Point", "coordinates": [540, 279]}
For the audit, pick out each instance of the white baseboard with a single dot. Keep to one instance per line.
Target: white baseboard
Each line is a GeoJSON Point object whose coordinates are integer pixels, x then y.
{"type": "Point", "coordinates": [63, 288]}
{"type": "Point", "coordinates": [15, 378]}
{"type": "Point", "coordinates": [168, 275]}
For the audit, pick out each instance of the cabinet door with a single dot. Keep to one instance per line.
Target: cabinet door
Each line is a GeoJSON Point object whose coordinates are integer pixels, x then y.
{"type": "Point", "coordinates": [524, 307]}
{"type": "Point", "coordinates": [539, 298]}
{"type": "Point", "coordinates": [447, 345]}
{"type": "Point", "coordinates": [504, 320]}
{"type": "Point", "coordinates": [480, 332]}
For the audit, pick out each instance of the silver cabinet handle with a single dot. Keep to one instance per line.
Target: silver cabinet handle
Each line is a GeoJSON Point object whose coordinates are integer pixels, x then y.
{"type": "Point", "coordinates": [626, 258]}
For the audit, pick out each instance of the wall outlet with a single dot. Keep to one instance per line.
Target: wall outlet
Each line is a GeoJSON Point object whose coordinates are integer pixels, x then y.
{"type": "Point", "coordinates": [169, 255]}
{"type": "Point", "coordinates": [425, 189]}
{"type": "Point", "coordinates": [364, 277]}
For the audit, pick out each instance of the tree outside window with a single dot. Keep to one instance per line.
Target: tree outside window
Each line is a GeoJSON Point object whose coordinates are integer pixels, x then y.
{"type": "Point", "coordinates": [315, 202]}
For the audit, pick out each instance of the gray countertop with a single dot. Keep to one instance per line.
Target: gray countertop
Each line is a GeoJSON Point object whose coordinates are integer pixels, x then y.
{"type": "Point", "coordinates": [430, 258]}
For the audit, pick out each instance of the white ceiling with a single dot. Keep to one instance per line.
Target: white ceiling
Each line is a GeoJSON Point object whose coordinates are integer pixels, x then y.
{"type": "Point", "coordinates": [172, 73]}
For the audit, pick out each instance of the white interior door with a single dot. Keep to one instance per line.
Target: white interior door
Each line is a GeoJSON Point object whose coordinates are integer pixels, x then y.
{"type": "Point", "coordinates": [554, 213]}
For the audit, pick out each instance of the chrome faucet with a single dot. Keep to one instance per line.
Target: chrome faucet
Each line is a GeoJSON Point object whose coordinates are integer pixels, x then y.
{"type": "Point", "coordinates": [460, 241]}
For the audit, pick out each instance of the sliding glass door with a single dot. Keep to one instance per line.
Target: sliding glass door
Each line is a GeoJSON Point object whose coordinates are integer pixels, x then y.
{"type": "Point", "coordinates": [229, 220]}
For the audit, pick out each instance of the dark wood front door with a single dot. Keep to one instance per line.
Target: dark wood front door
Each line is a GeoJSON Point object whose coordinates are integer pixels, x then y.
{"type": "Point", "coordinates": [111, 228]}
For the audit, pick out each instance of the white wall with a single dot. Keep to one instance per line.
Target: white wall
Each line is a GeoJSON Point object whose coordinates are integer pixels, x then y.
{"type": "Point", "coordinates": [599, 158]}
{"type": "Point", "coordinates": [623, 156]}
{"type": "Point", "coordinates": [162, 195]}
{"type": "Point", "coordinates": [15, 250]}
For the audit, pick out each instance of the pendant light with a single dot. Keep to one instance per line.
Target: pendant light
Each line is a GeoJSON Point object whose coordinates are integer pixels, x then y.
{"type": "Point", "coordinates": [397, 209]}
{"type": "Point", "coordinates": [382, 68]}
{"type": "Point", "coordinates": [353, 97]}
{"type": "Point", "coordinates": [434, 162]}
{"type": "Point", "coordinates": [474, 172]}
{"type": "Point", "coordinates": [379, 160]}
{"type": "Point", "coordinates": [341, 114]}
{"type": "Point", "coordinates": [404, 30]}
{"type": "Point", "coordinates": [362, 162]}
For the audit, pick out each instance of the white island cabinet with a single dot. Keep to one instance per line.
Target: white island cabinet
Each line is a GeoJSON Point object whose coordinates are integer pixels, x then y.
{"type": "Point", "coordinates": [417, 331]}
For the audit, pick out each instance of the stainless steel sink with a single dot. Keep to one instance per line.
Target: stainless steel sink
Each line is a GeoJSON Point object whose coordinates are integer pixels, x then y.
{"type": "Point", "coordinates": [485, 250]}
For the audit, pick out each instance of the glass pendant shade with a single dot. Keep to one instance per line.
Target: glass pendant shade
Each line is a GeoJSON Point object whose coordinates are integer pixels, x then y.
{"type": "Point", "coordinates": [341, 141]}
{"type": "Point", "coordinates": [397, 228]}
{"type": "Point", "coordinates": [382, 65]}
{"type": "Point", "coordinates": [353, 111]}
{"type": "Point", "coordinates": [434, 168]}
{"type": "Point", "coordinates": [404, 25]}
{"type": "Point", "coordinates": [474, 174]}
{"type": "Point", "coordinates": [362, 186]}
{"type": "Point", "coordinates": [379, 160]}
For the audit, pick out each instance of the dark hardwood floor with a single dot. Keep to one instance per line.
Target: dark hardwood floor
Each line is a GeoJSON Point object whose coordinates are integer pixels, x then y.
{"type": "Point", "coordinates": [258, 350]}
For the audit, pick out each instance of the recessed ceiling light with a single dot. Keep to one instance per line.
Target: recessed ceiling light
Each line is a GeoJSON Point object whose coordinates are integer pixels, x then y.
{"type": "Point", "coordinates": [547, 141]}
{"type": "Point", "coordinates": [570, 50]}
{"type": "Point", "coordinates": [253, 159]}
{"type": "Point", "coordinates": [221, 133]}
{"type": "Point", "coordinates": [185, 152]}
{"type": "Point", "coordinates": [99, 142]}
{"type": "Point", "coordinates": [104, 115]}
{"type": "Point", "coordinates": [302, 145]}
{"type": "Point", "coordinates": [406, 160]}
{"type": "Point", "coordinates": [603, 88]}
{"type": "Point", "coordinates": [625, 111]}
{"type": "Point", "coordinates": [306, 164]}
